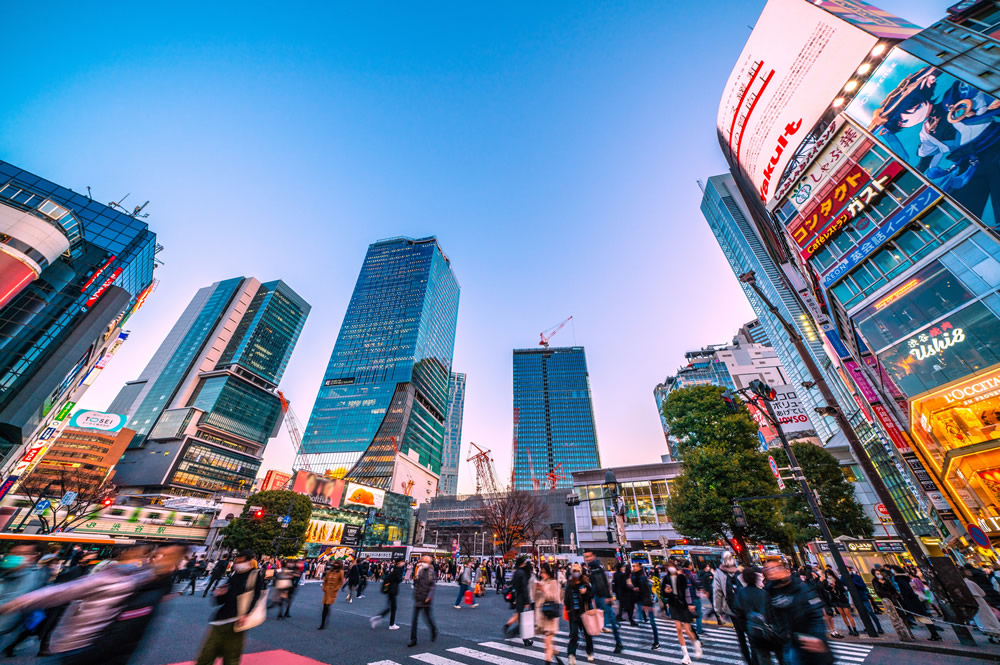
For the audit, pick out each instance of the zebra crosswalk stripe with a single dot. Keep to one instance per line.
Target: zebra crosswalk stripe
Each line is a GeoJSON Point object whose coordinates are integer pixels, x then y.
{"type": "Point", "coordinates": [643, 651]}
{"type": "Point", "coordinates": [384, 662]}
{"type": "Point", "coordinates": [432, 659]}
{"type": "Point", "coordinates": [494, 659]}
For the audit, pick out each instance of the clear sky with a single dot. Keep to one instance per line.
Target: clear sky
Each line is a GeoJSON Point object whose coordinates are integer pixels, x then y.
{"type": "Point", "coordinates": [553, 148]}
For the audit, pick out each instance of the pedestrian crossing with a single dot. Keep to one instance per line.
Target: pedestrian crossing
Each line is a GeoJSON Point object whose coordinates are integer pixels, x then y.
{"type": "Point", "coordinates": [721, 647]}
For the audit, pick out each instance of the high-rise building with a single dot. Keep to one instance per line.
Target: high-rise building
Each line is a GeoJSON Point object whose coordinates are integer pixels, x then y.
{"type": "Point", "coordinates": [753, 332]}
{"type": "Point", "coordinates": [206, 405]}
{"type": "Point", "coordinates": [71, 271]}
{"type": "Point", "coordinates": [554, 416]}
{"type": "Point", "coordinates": [451, 457]}
{"type": "Point", "coordinates": [380, 414]}
{"type": "Point", "coordinates": [865, 182]}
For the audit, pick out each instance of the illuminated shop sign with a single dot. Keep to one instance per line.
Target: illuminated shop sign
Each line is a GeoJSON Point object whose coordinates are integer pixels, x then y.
{"type": "Point", "coordinates": [935, 340]}
{"type": "Point", "coordinates": [783, 82]}
{"type": "Point", "coordinates": [918, 204]}
{"type": "Point", "coordinates": [816, 217]}
{"type": "Point", "coordinates": [97, 273]}
{"type": "Point", "coordinates": [863, 200]}
{"type": "Point", "coordinates": [897, 294]}
{"type": "Point", "coordinates": [807, 157]}
{"type": "Point", "coordinates": [944, 128]}
{"type": "Point", "coordinates": [848, 141]}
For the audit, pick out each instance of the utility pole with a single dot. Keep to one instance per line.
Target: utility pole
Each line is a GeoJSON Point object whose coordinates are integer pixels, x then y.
{"type": "Point", "coordinates": [913, 544]}
{"type": "Point", "coordinates": [807, 494]}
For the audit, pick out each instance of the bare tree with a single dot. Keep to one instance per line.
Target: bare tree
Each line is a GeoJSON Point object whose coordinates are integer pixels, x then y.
{"type": "Point", "coordinates": [88, 500]}
{"type": "Point", "coordinates": [515, 517]}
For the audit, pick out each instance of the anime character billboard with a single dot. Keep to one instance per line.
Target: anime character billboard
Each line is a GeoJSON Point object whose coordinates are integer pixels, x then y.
{"type": "Point", "coordinates": [945, 128]}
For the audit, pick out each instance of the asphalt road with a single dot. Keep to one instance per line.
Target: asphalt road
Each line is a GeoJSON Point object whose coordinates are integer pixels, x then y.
{"type": "Point", "coordinates": [470, 636]}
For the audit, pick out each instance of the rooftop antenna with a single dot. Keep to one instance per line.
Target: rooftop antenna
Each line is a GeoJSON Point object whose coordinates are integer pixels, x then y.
{"type": "Point", "coordinates": [138, 209]}
{"type": "Point", "coordinates": [118, 204]}
{"type": "Point", "coordinates": [88, 193]}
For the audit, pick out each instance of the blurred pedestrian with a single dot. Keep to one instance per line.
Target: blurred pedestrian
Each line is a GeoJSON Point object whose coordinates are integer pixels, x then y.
{"type": "Point", "coordinates": [237, 598]}
{"type": "Point", "coordinates": [18, 576]}
{"type": "Point", "coordinates": [548, 607]}
{"type": "Point", "coordinates": [674, 591]}
{"type": "Point", "coordinates": [602, 595]}
{"type": "Point", "coordinates": [578, 599]}
{"type": "Point", "coordinates": [333, 580]}
{"type": "Point", "coordinates": [424, 581]}
{"type": "Point", "coordinates": [218, 572]}
{"type": "Point", "coordinates": [390, 587]}
{"type": "Point", "coordinates": [797, 615]}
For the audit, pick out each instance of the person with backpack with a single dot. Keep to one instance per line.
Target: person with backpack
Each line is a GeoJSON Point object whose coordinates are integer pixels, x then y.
{"type": "Point", "coordinates": [674, 593]}
{"type": "Point", "coordinates": [752, 607]}
{"type": "Point", "coordinates": [390, 587]}
{"type": "Point", "coordinates": [602, 595]}
{"type": "Point", "coordinates": [722, 588]}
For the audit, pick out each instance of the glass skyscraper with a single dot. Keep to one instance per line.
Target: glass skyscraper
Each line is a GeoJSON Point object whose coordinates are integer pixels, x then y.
{"type": "Point", "coordinates": [554, 416]}
{"type": "Point", "coordinates": [729, 218]}
{"type": "Point", "coordinates": [71, 269]}
{"type": "Point", "coordinates": [385, 390]}
{"type": "Point", "coordinates": [206, 404]}
{"type": "Point", "coordinates": [453, 434]}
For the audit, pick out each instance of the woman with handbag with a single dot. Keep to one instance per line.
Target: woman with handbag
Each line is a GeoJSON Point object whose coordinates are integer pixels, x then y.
{"type": "Point", "coordinates": [578, 599]}
{"type": "Point", "coordinates": [547, 610]}
{"type": "Point", "coordinates": [646, 598]}
{"type": "Point", "coordinates": [674, 591]}
{"type": "Point", "coordinates": [836, 598]}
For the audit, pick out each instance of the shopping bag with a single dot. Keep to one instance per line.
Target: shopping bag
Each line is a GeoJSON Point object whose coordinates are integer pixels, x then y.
{"type": "Point", "coordinates": [593, 621]}
{"type": "Point", "coordinates": [479, 589]}
{"type": "Point", "coordinates": [469, 600]}
{"type": "Point", "coordinates": [526, 621]}
{"type": "Point", "coordinates": [258, 614]}
{"type": "Point", "coordinates": [565, 614]}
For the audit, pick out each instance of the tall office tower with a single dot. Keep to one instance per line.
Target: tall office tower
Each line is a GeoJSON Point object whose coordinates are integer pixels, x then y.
{"type": "Point", "coordinates": [555, 431]}
{"type": "Point", "coordinates": [71, 271]}
{"type": "Point", "coordinates": [753, 332]}
{"type": "Point", "coordinates": [206, 405]}
{"type": "Point", "coordinates": [380, 414]}
{"type": "Point", "coordinates": [453, 434]}
{"type": "Point", "coordinates": [728, 216]}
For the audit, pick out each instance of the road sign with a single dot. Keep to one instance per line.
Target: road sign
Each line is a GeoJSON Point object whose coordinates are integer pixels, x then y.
{"type": "Point", "coordinates": [285, 520]}
{"type": "Point", "coordinates": [42, 506]}
{"type": "Point", "coordinates": [763, 441]}
{"type": "Point", "coordinates": [883, 513]}
{"type": "Point", "coordinates": [67, 498]}
{"type": "Point", "coordinates": [774, 470]}
{"type": "Point", "coordinates": [978, 536]}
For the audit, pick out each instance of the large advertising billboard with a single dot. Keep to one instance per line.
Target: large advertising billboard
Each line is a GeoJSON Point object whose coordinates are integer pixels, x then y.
{"type": "Point", "coordinates": [362, 495]}
{"type": "Point", "coordinates": [944, 128]}
{"type": "Point", "coordinates": [318, 488]}
{"type": "Point", "coordinates": [794, 65]}
{"type": "Point", "coordinates": [275, 480]}
{"type": "Point", "coordinates": [105, 422]}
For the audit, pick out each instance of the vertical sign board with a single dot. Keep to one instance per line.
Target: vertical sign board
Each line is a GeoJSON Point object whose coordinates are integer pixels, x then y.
{"type": "Point", "coordinates": [774, 470]}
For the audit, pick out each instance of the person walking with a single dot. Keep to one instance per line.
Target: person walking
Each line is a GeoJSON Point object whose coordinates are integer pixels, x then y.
{"type": "Point", "coordinates": [353, 576]}
{"type": "Point", "coordinates": [218, 572]}
{"type": "Point", "coordinates": [797, 614]}
{"type": "Point", "coordinates": [548, 607]}
{"type": "Point", "coordinates": [333, 580]}
{"type": "Point", "coordinates": [622, 593]}
{"type": "Point", "coordinates": [674, 592]}
{"type": "Point", "coordinates": [602, 595]}
{"type": "Point", "coordinates": [645, 598]}
{"type": "Point", "coordinates": [237, 598]}
{"type": "Point", "coordinates": [985, 619]}
{"type": "Point", "coordinates": [752, 607]}
{"type": "Point", "coordinates": [911, 603]}
{"type": "Point", "coordinates": [722, 590]}
{"type": "Point", "coordinates": [18, 576]}
{"type": "Point", "coordinates": [866, 597]}
{"type": "Point", "coordinates": [390, 587]}
{"type": "Point", "coordinates": [424, 581]}
{"type": "Point", "coordinates": [887, 591]}
{"type": "Point", "coordinates": [695, 589]}
{"type": "Point", "coordinates": [836, 600]}
{"type": "Point", "coordinates": [578, 599]}
{"type": "Point", "coordinates": [465, 582]}
{"type": "Point", "coordinates": [364, 568]}
{"type": "Point", "coordinates": [521, 584]}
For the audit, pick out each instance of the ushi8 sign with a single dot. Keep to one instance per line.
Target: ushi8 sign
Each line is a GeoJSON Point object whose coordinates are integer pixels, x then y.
{"type": "Point", "coordinates": [794, 64]}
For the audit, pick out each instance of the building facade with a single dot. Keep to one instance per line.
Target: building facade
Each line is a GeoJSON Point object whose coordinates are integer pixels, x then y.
{"type": "Point", "coordinates": [384, 396]}
{"type": "Point", "coordinates": [83, 456]}
{"type": "Point", "coordinates": [883, 202]}
{"type": "Point", "coordinates": [554, 417]}
{"type": "Point", "coordinates": [71, 271]}
{"type": "Point", "coordinates": [451, 457]}
{"type": "Point", "coordinates": [206, 405]}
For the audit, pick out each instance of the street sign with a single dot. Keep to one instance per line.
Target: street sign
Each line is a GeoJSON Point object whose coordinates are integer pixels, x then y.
{"type": "Point", "coordinates": [285, 520]}
{"type": "Point", "coordinates": [883, 513]}
{"type": "Point", "coordinates": [67, 498]}
{"type": "Point", "coordinates": [254, 509]}
{"type": "Point", "coordinates": [42, 506]}
{"type": "Point", "coordinates": [774, 470]}
{"type": "Point", "coordinates": [978, 536]}
{"type": "Point", "coordinates": [763, 441]}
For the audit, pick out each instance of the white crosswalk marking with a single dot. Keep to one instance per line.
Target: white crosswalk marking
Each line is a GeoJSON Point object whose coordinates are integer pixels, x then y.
{"type": "Point", "coordinates": [721, 647]}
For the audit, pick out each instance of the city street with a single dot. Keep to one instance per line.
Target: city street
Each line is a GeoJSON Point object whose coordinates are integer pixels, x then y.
{"type": "Point", "coordinates": [470, 636]}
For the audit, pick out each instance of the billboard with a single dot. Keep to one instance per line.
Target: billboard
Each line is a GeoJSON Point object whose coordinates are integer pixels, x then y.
{"type": "Point", "coordinates": [105, 422]}
{"type": "Point", "coordinates": [944, 128]}
{"type": "Point", "coordinates": [794, 65]}
{"type": "Point", "coordinates": [318, 488]}
{"type": "Point", "coordinates": [275, 480]}
{"type": "Point", "coordinates": [870, 19]}
{"type": "Point", "coordinates": [362, 495]}
{"type": "Point", "coordinates": [848, 141]}
{"type": "Point", "coordinates": [326, 532]}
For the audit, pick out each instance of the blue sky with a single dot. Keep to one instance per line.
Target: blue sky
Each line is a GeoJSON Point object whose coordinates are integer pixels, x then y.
{"type": "Point", "coordinates": [553, 148]}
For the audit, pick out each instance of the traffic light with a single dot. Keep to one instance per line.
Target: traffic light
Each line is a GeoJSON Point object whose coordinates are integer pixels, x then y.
{"type": "Point", "coordinates": [730, 400]}
{"type": "Point", "coordinates": [108, 501]}
{"type": "Point", "coordinates": [572, 500]}
{"type": "Point", "coordinates": [762, 390]}
{"type": "Point", "coordinates": [739, 517]}
{"type": "Point", "coordinates": [258, 514]}
{"type": "Point", "coordinates": [609, 537]}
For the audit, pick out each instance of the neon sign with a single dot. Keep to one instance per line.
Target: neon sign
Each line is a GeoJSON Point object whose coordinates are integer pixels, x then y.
{"type": "Point", "coordinates": [935, 340]}
{"type": "Point", "coordinates": [103, 287]}
{"type": "Point", "coordinates": [97, 273]}
{"type": "Point", "coordinates": [897, 294]}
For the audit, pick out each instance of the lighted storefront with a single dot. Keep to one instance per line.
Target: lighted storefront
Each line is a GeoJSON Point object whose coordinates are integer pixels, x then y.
{"type": "Point", "coordinates": [958, 429]}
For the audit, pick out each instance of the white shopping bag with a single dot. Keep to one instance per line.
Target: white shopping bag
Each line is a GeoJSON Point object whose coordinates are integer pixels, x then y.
{"type": "Point", "coordinates": [526, 621]}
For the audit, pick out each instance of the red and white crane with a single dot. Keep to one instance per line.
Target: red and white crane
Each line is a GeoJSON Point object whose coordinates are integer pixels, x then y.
{"type": "Point", "coordinates": [551, 332]}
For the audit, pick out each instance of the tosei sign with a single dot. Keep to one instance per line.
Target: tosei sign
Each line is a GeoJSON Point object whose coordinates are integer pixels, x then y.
{"type": "Point", "coordinates": [106, 422]}
{"type": "Point", "coordinates": [795, 63]}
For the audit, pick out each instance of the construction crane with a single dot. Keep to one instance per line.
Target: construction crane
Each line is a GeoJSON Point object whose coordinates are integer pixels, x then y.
{"type": "Point", "coordinates": [551, 332]}
{"type": "Point", "coordinates": [531, 469]}
{"type": "Point", "coordinates": [554, 476]}
{"type": "Point", "coordinates": [486, 475]}
{"type": "Point", "coordinates": [294, 430]}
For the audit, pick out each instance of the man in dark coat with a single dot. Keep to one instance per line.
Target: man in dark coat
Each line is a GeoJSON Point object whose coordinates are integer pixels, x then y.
{"type": "Point", "coordinates": [424, 580]}
{"type": "Point", "coordinates": [797, 613]}
{"type": "Point", "coordinates": [390, 585]}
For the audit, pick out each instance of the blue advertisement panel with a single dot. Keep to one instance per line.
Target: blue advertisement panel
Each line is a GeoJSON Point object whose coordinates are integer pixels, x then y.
{"type": "Point", "coordinates": [106, 422]}
{"type": "Point", "coordinates": [944, 128]}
